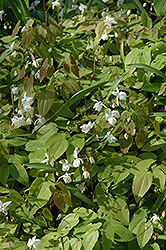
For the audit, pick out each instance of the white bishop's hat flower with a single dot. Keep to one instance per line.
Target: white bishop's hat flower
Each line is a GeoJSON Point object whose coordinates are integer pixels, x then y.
{"type": "Point", "coordinates": [119, 95]}
{"type": "Point", "coordinates": [110, 137]}
{"type": "Point", "coordinates": [82, 8]}
{"type": "Point", "coordinates": [65, 165]}
{"type": "Point", "coordinates": [67, 177]}
{"type": "Point", "coordinates": [86, 175]}
{"type": "Point", "coordinates": [3, 206]}
{"type": "Point", "coordinates": [87, 127]}
{"type": "Point", "coordinates": [155, 219]}
{"type": "Point", "coordinates": [98, 105]}
{"type": "Point", "coordinates": [55, 4]}
{"type": "Point", "coordinates": [34, 243]}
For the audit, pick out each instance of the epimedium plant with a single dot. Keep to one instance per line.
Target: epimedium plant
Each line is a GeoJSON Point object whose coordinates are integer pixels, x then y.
{"type": "Point", "coordinates": [83, 129]}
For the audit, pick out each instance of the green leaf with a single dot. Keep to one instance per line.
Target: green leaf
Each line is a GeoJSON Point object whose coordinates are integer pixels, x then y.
{"type": "Point", "coordinates": [159, 178]}
{"type": "Point", "coordinates": [160, 7]}
{"type": "Point", "coordinates": [58, 145]}
{"type": "Point", "coordinates": [45, 101]}
{"type": "Point", "coordinates": [139, 216]}
{"type": "Point", "coordinates": [16, 197]}
{"type": "Point", "coordinates": [138, 5]}
{"type": "Point", "coordinates": [108, 230]}
{"type": "Point", "coordinates": [81, 196]}
{"type": "Point", "coordinates": [47, 214]}
{"type": "Point", "coordinates": [120, 211]}
{"type": "Point", "coordinates": [141, 136]}
{"type": "Point", "coordinates": [141, 183]}
{"type": "Point", "coordinates": [149, 68]}
{"type": "Point", "coordinates": [143, 236]}
{"type": "Point", "coordinates": [160, 199]}
{"type": "Point", "coordinates": [4, 173]}
{"type": "Point", "coordinates": [67, 223]}
{"type": "Point", "coordinates": [19, 173]}
{"type": "Point", "coordinates": [41, 167]}
{"type": "Point", "coordinates": [121, 233]}
{"type": "Point", "coordinates": [90, 239]}
{"type": "Point", "coordinates": [153, 145]}
{"type": "Point", "coordinates": [144, 164]}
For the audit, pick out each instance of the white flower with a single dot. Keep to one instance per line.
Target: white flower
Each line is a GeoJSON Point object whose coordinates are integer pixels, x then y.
{"type": "Point", "coordinates": [14, 54]}
{"type": "Point", "coordinates": [23, 28]}
{"type": "Point", "coordinates": [1, 13]}
{"type": "Point", "coordinates": [128, 12]}
{"type": "Point", "coordinates": [34, 243]}
{"type": "Point", "coordinates": [35, 61]}
{"type": "Point", "coordinates": [66, 178]}
{"type": "Point", "coordinates": [11, 47]}
{"type": "Point", "coordinates": [77, 162]}
{"type": "Point", "coordinates": [38, 123]}
{"type": "Point", "coordinates": [163, 214]}
{"type": "Point", "coordinates": [75, 155]}
{"type": "Point", "coordinates": [82, 8]}
{"type": "Point", "coordinates": [15, 90]}
{"type": "Point", "coordinates": [115, 113]}
{"type": "Point", "coordinates": [86, 175]}
{"type": "Point", "coordinates": [155, 219]}
{"type": "Point", "coordinates": [80, 187]}
{"type": "Point", "coordinates": [119, 95]}
{"type": "Point", "coordinates": [160, 226]}
{"type": "Point", "coordinates": [110, 138]}
{"type": "Point", "coordinates": [120, 2]}
{"type": "Point", "coordinates": [107, 113]}
{"type": "Point", "coordinates": [87, 127]}
{"type": "Point", "coordinates": [109, 21]}
{"type": "Point", "coordinates": [105, 1]}
{"type": "Point", "coordinates": [98, 105]}
{"type": "Point", "coordinates": [28, 121]}
{"type": "Point", "coordinates": [55, 4]}
{"type": "Point", "coordinates": [104, 36]}
{"type": "Point", "coordinates": [126, 136]}
{"type": "Point", "coordinates": [18, 121]}
{"type": "Point", "coordinates": [91, 159]}
{"type": "Point", "coordinates": [65, 165]}
{"type": "Point", "coordinates": [112, 120]}
{"type": "Point", "coordinates": [3, 206]}
{"type": "Point", "coordinates": [27, 100]}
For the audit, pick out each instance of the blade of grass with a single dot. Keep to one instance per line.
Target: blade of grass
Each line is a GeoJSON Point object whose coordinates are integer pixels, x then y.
{"type": "Point", "coordinates": [81, 196]}
{"type": "Point", "coordinates": [148, 68]}
{"type": "Point", "coordinates": [73, 99]}
{"type": "Point", "coordinates": [139, 6]}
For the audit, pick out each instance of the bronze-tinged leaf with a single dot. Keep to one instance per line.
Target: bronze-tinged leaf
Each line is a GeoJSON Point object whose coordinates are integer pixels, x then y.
{"type": "Point", "coordinates": [62, 186]}
{"type": "Point", "coordinates": [70, 84]}
{"type": "Point", "coordinates": [58, 201]}
{"type": "Point", "coordinates": [72, 60]}
{"type": "Point", "coordinates": [66, 67]}
{"type": "Point", "coordinates": [50, 70]}
{"type": "Point", "coordinates": [43, 70]}
{"type": "Point", "coordinates": [141, 136]}
{"type": "Point", "coordinates": [125, 144]}
{"type": "Point", "coordinates": [67, 200]}
{"type": "Point", "coordinates": [131, 128]}
{"type": "Point", "coordinates": [27, 38]}
{"type": "Point", "coordinates": [45, 101]}
{"type": "Point", "coordinates": [156, 127]}
{"type": "Point", "coordinates": [29, 23]}
{"type": "Point", "coordinates": [53, 189]}
{"type": "Point", "coordinates": [28, 83]}
{"type": "Point", "coordinates": [16, 29]}
{"type": "Point", "coordinates": [47, 214]}
{"type": "Point", "coordinates": [21, 74]}
{"type": "Point", "coordinates": [75, 70]}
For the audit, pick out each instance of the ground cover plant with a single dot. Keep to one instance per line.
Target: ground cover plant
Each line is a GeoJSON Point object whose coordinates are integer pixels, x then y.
{"type": "Point", "coordinates": [82, 125]}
